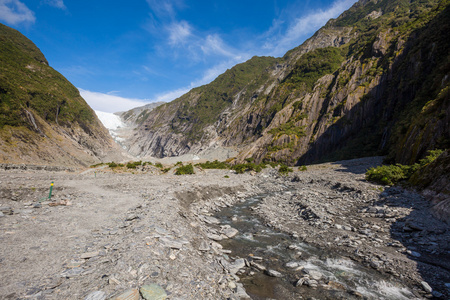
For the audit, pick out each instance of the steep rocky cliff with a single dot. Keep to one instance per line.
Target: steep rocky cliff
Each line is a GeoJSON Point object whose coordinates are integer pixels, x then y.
{"type": "Point", "coordinates": [43, 119]}
{"type": "Point", "coordinates": [373, 81]}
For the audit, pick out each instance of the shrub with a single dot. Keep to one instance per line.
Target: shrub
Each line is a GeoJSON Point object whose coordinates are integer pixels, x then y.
{"type": "Point", "coordinates": [166, 170]}
{"type": "Point", "coordinates": [213, 165]}
{"type": "Point", "coordinates": [114, 165]}
{"type": "Point", "coordinates": [303, 168]}
{"type": "Point", "coordinates": [226, 176]}
{"type": "Point", "coordinates": [284, 170]}
{"type": "Point", "coordinates": [133, 165]}
{"type": "Point", "coordinates": [185, 170]}
{"type": "Point", "coordinates": [387, 174]}
{"type": "Point", "coordinates": [159, 165]}
{"type": "Point", "coordinates": [392, 174]}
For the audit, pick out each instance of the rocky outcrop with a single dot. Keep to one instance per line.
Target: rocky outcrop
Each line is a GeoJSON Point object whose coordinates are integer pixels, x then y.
{"type": "Point", "coordinates": [43, 119]}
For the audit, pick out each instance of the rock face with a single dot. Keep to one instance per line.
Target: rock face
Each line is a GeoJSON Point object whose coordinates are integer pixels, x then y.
{"type": "Point", "coordinates": [43, 119]}
{"type": "Point", "coordinates": [373, 81]}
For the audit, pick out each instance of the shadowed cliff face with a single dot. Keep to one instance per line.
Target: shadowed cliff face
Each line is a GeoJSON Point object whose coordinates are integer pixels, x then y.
{"type": "Point", "coordinates": [43, 119]}
{"type": "Point", "coordinates": [373, 81]}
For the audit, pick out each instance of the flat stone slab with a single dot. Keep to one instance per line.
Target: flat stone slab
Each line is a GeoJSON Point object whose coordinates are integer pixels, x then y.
{"type": "Point", "coordinates": [153, 292]}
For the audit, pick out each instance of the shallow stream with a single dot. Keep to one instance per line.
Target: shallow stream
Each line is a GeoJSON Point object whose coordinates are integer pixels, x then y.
{"type": "Point", "coordinates": [341, 277]}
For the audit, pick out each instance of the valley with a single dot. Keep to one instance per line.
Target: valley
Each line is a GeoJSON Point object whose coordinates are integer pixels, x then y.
{"type": "Point", "coordinates": [106, 232]}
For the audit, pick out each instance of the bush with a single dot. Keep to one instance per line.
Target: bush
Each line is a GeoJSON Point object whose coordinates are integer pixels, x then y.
{"type": "Point", "coordinates": [185, 170]}
{"type": "Point", "coordinates": [303, 168]}
{"type": "Point", "coordinates": [159, 165]}
{"type": "Point", "coordinates": [387, 174]}
{"type": "Point", "coordinates": [166, 170]}
{"type": "Point", "coordinates": [284, 170]}
{"type": "Point", "coordinates": [133, 165]}
{"type": "Point", "coordinates": [213, 165]}
{"type": "Point", "coordinates": [114, 165]}
{"type": "Point", "coordinates": [241, 168]}
{"type": "Point", "coordinates": [392, 174]}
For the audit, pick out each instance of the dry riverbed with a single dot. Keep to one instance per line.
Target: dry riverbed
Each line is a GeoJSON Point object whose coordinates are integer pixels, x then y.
{"type": "Point", "coordinates": [103, 233]}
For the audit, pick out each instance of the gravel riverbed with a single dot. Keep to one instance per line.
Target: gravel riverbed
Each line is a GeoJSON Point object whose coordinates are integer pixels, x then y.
{"type": "Point", "coordinates": [103, 234]}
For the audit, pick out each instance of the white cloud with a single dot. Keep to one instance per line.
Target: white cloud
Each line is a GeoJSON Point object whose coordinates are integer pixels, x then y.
{"type": "Point", "coordinates": [56, 3]}
{"type": "Point", "coordinates": [110, 103]}
{"type": "Point", "coordinates": [213, 44]}
{"type": "Point", "coordinates": [302, 27]}
{"type": "Point", "coordinates": [14, 12]}
{"type": "Point", "coordinates": [171, 95]}
{"type": "Point", "coordinates": [179, 32]}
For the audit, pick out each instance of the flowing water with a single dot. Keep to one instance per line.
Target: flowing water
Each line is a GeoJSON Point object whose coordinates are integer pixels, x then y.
{"type": "Point", "coordinates": [342, 278]}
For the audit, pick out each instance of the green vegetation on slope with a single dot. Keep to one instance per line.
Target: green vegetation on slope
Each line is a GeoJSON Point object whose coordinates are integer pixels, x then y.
{"type": "Point", "coordinates": [212, 99]}
{"type": "Point", "coordinates": [28, 83]}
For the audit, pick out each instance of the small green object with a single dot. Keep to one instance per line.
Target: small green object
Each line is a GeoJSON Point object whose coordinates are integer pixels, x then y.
{"type": "Point", "coordinates": [51, 188]}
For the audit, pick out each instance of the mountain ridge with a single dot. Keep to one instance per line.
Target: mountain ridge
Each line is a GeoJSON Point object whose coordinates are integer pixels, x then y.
{"type": "Point", "coordinates": [327, 99]}
{"type": "Point", "coordinates": [43, 118]}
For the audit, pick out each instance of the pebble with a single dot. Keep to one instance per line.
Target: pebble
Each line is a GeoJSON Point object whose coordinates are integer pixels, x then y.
{"type": "Point", "coordinates": [89, 254]}
{"type": "Point", "coordinates": [131, 294]}
{"type": "Point", "coordinates": [292, 264]}
{"type": "Point", "coordinates": [72, 272]}
{"type": "Point", "coordinates": [426, 287]}
{"type": "Point", "coordinates": [153, 292]}
{"type": "Point", "coordinates": [204, 246]}
{"type": "Point", "coordinates": [274, 273]}
{"type": "Point", "coordinates": [316, 275]}
{"type": "Point", "coordinates": [210, 220]}
{"type": "Point", "coordinates": [97, 295]}
{"type": "Point", "coordinates": [258, 266]}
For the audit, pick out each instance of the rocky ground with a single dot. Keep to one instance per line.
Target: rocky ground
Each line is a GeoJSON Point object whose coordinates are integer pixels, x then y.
{"type": "Point", "coordinates": [103, 234]}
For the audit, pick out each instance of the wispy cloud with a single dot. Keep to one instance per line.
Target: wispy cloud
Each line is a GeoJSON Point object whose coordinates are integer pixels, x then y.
{"type": "Point", "coordinates": [278, 41]}
{"type": "Point", "coordinates": [179, 33]}
{"type": "Point", "coordinates": [56, 3]}
{"type": "Point", "coordinates": [14, 12]}
{"type": "Point", "coordinates": [110, 103]}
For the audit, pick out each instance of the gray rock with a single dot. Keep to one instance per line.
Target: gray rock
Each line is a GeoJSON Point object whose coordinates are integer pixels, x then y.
{"type": "Point", "coordinates": [426, 287]}
{"type": "Point", "coordinates": [72, 272]}
{"type": "Point", "coordinates": [6, 210]}
{"type": "Point", "coordinates": [215, 237]}
{"type": "Point", "coordinates": [311, 282]}
{"type": "Point", "coordinates": [292, 264]}
{"type": "Point", "coordinates": [258, 266]}
{"type": "Point", "coordinates": [89, 254]}
{"type": "Point", "coordinates": [168, 242]}
{"type": "Point", "coordinates": [131, 217]}
{"type": "Point", "coordinates": [274, 273]}
{"type": "Point", "coordinates": [230, 232]}
{"type": "Point", "coordinates": [316, 275]}
{"type": "Point", "coordinates": [153, 292]}
{"type": "Point", "coordinates": [301, 281]}
{"type": "Point", "coordinates": [237, 265]}
{"type": "Point", "coordinates": [204, 246]}
{"type": "Point", "coordinates": [2, 214]}
{"type": "Point", "coordinates": [210, 220]}
{"type": "Point", "coordinates": [97, 295]}
{"type": "Point", "coordinates": [414, 253]}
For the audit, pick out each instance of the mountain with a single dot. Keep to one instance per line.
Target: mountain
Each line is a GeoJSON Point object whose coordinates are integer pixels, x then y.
{"type": "Point", "coordinates": [43, 118]}
{"type": "Point", "coordinates": [137, 115]}
{"type": "Point", "coordinates": [374, 81]}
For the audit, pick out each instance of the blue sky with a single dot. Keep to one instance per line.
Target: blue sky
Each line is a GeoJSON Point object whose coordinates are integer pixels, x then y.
{"type": "Point", "coordinates": [122, 54]}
